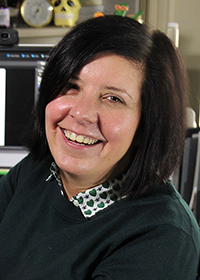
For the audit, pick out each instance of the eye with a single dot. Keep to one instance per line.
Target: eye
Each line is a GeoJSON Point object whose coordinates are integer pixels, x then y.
{"type": "Point", "coordinates": [70, 3]}
{"type": "Point", "coordinates": [57, 3]}
{"type": "Point", "coordinates": [115, 99]}
{"type": "Point", "coordinates": [72, 86]}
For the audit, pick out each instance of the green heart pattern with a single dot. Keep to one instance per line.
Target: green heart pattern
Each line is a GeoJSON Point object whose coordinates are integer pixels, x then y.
{"type": "Point", "coordinates": [98, 198]}
{"type": "Point", "coordinates": [93, 200]}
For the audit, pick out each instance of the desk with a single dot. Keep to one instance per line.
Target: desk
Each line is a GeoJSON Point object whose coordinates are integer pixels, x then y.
{"type": "Point", "coordinates": [10, 157]}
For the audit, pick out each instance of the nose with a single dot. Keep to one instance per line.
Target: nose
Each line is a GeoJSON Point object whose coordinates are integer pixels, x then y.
{"type": "Point", "coordinates": [84, 111]}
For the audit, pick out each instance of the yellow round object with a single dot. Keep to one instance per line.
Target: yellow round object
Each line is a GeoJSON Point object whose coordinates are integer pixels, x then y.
{"type": "Point", "coordinates": [37, 13]}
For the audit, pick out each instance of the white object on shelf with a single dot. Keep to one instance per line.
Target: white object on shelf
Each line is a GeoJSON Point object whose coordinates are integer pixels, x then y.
{"type": "Point", "coordinates": [173, 32]}
{"type": "Point", "coordinates": [191, 118]}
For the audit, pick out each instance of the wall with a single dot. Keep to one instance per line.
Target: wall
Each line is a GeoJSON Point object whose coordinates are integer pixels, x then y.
{"type": "Point", "coordinates": [52, 34]}
{"type": "Point", "coordinates": [158, 12]}
{"type": "Point", "coordinates": [188, 17]}
{"type": "Point", "coordinates": [109, 6]}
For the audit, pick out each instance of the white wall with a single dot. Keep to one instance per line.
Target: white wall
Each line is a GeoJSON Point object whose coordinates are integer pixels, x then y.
{"type": "Point", "coordinates": [156, 13]}
{"type": "Point", "coordinates": [188, 16]}
{"type": "Point", "coordinates": [109, 6]}
{"type": "Point", "coordinates": [187, 13]}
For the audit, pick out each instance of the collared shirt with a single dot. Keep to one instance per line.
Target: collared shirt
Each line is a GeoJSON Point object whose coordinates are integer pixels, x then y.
{"type": "Point", "coordinates": [92, 200]}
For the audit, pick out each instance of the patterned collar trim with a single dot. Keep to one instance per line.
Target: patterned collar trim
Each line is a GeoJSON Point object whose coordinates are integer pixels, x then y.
{"type": "Point", "coordinates": [92, 200]}
{"type": "Point", "coordinates": [98, 198]}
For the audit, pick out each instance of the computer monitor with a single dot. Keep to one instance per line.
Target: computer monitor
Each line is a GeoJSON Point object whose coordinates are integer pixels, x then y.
{"type": "Point", "coordinates": [21, 68]}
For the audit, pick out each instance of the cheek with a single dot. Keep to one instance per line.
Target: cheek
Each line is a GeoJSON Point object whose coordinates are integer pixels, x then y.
{"type": "Point", "coordinates": [55, 111]}
{"type": "Point", "coordinates": [121, 128]}
{"type": "Point", "coordinates": [50, 117]}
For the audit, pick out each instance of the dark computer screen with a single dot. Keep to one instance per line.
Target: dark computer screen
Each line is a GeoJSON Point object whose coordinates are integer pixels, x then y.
{"type": "Point", "coordinates": [21, 70]}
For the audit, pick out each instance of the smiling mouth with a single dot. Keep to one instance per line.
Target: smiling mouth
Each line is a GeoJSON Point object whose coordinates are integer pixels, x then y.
{"type": "Point", "coordinates": [80, 139]}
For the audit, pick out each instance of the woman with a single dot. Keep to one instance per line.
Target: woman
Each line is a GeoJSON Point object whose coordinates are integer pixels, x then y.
{"type": "Point", "coordinates": [93, 200]}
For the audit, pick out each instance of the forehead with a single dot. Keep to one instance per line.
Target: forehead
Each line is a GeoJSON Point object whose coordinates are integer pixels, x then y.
{"type": "Point", "coordinates": [115, 65]}
{"type": "Point", "coordinates": [112, 72]}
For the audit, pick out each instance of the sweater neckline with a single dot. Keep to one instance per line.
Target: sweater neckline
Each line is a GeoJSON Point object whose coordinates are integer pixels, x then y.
{"type": "Point", "coordinates": [93, 200]}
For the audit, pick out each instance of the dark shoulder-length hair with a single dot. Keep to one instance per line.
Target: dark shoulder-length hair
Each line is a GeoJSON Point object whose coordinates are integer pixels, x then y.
{"type": "Point", "coordinates": [162, 128]}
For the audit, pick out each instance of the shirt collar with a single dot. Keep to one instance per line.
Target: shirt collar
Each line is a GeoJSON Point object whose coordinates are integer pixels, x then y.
{"type": "Point", "coordinates": [98, 198]}
{"type": "Point", "coordinates": [92, 200]}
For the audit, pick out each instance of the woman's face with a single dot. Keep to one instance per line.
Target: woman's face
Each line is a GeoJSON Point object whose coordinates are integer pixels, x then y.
{"type": "Point", "coordinates": [91, 126]}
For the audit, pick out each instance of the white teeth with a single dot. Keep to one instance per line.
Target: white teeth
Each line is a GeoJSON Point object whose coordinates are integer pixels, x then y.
{"type": "Point", "coordinates": [72, 136]}
{"type": "Point", "coordinates": [79, 138]}
{"type": "Point", "coordinates": [86, 140]}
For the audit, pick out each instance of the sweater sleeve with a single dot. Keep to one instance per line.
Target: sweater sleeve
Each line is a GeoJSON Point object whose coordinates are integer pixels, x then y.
{"type": "Point", "coordinates": [8, 183]}
{"type": "Point", "coordinates": [165, 253]}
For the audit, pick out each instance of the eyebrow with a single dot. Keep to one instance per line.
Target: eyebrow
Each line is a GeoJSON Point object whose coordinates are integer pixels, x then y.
{"type": "Point", "coordinates": [122, 90]}
{"type": "Point", "coordinates": [73, 77]}
{"type": "Point", "coordinates": [118, 90]}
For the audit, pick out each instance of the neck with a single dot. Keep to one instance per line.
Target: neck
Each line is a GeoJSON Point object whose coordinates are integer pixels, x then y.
{"type": "Point", "coordinates": [74, 184]}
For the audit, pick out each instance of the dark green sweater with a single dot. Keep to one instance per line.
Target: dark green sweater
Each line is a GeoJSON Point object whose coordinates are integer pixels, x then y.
{"type": "Point", "coordinates": [44, 236]}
